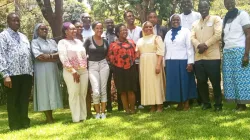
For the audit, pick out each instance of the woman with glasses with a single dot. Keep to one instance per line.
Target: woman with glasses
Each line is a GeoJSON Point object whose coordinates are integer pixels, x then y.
{"type": "Point", "coordinates": [47, 93]}
{"type": "Point", "coordinates": [73, 57]}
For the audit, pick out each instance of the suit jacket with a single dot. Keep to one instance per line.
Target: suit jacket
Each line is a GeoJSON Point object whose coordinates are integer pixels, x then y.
{"type": "Point", "coordinates": [161, 31]}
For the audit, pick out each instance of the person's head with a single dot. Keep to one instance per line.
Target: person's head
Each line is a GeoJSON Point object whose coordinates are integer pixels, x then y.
{"type": "Point", "coordinates": [186, 6]}
{"type": "Point", "coordinates": [152, 17]}
{"type": "Point", "coordinates": [13, 21]}
{"type": "Point", "coordinates": [97, 28]}
{"type": "Point", "coordinates": [229, 4]}
{"type": "Point", "coordinates": [147, 28]}
{"type": "Point", "coordinates": [86, 20]}
{"type": "Point", "coordinates": [121, 31]}
{"type": "Point", "coordinates": [68, 30]}
{"type": "Point", "coordinates": [78, 26]}
{"type": "Point", "coordinates": [129, 17]}
{"type": "Point", "coordinates": [175, 21]}
{"type": "Point", "coordinates": [204, 8]}
{"type": "Point", "coordinates": [109, 23]}
{"type": "Point", "coordinates": [41, 30]}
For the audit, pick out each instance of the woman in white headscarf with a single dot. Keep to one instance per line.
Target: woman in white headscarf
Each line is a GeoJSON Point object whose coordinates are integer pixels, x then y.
{"type": "Point", "coordinates": [152, 79]}
{"type": "Point", "coordinates": [47, 93]}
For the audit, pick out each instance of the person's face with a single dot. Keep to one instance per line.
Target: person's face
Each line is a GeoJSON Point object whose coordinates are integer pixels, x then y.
{"type": "Point", "coordinates": [229, 4]}
{"type": "Point", "coordinates": [130, 18]}
{"type": "Point", "coordinates": [152, 17]}
{"type": "Point", "coordinates": [186, 5]}
{"type": "Point", "coordinates": [78, 26]}
{"type": "Point", "coordinates": [204, 9]}
{"type": "Point", "coordinates": [86, 19]}
{"type": "Point", "coordinates": [71, 31]}
{"type": "Point", "coordinates": [98, 29]}
{"type": "Point", "coordinates": [42, 31]}
{"type": "Point", "coordinates": [14, 22]}
{"type": "Point", "coordinates": [175, 21]}
{"type": "Point", "coordinates": [123, 32]}
{"type": "Point", "coordinates": [148, 28]}
{"type": "Point", "coordinates": [109, 24]}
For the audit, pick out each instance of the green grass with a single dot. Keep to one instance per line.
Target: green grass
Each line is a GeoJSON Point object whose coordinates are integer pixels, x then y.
{"type": "Point", "coordinates": [194, 124]}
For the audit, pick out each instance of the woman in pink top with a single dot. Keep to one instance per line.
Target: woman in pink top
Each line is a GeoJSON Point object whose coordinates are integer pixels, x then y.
{"type": "Point", "coordinates": [73, 57]}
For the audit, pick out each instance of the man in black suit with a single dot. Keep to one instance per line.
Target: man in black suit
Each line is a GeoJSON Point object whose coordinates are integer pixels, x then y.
{"type": "Point", "coordinates": [158, 29]}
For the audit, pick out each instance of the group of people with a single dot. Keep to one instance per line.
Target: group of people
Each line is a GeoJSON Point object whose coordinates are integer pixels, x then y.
{"type": "Point", "coordinates": [150, 65]}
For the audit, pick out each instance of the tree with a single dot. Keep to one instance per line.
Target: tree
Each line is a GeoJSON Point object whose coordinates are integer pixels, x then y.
{"type": "Point", "coordinates": [54, 18]}
{"type": "Point", "coordinates": [72, 10]}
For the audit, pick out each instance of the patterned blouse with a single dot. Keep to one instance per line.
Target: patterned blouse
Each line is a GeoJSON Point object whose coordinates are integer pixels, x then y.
{"type": "Point", "coordinates": [15, 54]}
{"type": "Point", "coordinates": [72, 55]}
{"type": "Point", "coordinates": [122, 54]}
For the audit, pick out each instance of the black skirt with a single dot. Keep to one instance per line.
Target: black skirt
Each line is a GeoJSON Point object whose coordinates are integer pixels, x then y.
{"type": "Point", "coordinates": [125, 79]}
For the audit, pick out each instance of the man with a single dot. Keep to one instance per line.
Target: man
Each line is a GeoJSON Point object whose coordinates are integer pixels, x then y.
{"type": "Point", "coordinates": [158, 29]}
{"type": "Point", "coordinates": [110, 36]}
{"type": "Point", "coordinates": [206, 35]}
{"type": "Point", "coordinates": [16, 67]}
{"type": "Point", "coordinates": [188, 17]}
{"type": "Point", "coordinates": [134, 34]}
{"type": "Point", "coordinates": [87, 30]}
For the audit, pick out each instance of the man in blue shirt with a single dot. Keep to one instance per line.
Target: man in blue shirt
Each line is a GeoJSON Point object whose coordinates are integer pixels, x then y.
{"type": "Point", "coordinates": [87, 30]}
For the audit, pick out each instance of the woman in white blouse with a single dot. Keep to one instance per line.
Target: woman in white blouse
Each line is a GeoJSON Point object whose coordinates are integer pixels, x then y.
{"type": "Point", "coordinates": [179, 58]}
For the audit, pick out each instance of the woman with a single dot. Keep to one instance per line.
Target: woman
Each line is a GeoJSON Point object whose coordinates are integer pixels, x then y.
{"type": "Point", "coordinates": [179, 65]}
{"type": "Point", "coordinates": [122, 56]}
{"type": "Point", "coordinates": [151, 50]}
{"type": "Point", "coordinates": [97, 49]}
{"type": "Point", "coordinates": [236, 68]}
{"type": "Point", "coordinates": [75, 73]}
{"type": "Point", "coordinates": [47, 92]}
{"type": "Point", "coordinates": [79, 28]}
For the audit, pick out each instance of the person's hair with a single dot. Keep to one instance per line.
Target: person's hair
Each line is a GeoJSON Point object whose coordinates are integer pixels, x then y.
{"type": "Point", "coordinates": [74, 21]}
{"type": "Point", "coordinates": [150, 12]}
{"type": "Point", "coordinates": [10, 15]}
{"type": "Point", "coordinates": [204, 1]}
{"type": "Point", "coordinates": [94, 24]}
{"type": "Point", "coordinates": [117, 29]}
{"type": "Point", "coordinates": [108, 19]}
{"type": "Point", "coordinates": [126, 12]}
{"type": "Point", "coordinates": [65, 27]}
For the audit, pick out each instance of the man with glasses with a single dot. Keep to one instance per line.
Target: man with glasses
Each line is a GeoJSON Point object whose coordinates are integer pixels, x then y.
{"type": "Point", "coordinates": [87, 30]}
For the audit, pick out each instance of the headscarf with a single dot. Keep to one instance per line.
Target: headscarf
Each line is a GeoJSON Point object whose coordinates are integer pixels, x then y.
{"type": "Point", "coordinates": [35, 33]}
{"type": "Point", "coordinates": [65, 27]}
{"type": "Point", "coordinates": [143, 34]}
{"type": "Point", "coordinates": [175, 30]}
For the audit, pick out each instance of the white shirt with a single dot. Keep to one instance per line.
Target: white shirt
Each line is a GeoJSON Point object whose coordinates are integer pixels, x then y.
{"type": "Point", "coordinates": [155, 30]}
{"type": "Point", "coordinates": [87, 33]}
{"type": "Point", "coordinates": [134, 34]}
{"type": "Point", "coordinates": [234, 35]}
{"type": "Point", "coordinates": [180, 48]}
{"type": "Point", "coordinates": [188, 20]}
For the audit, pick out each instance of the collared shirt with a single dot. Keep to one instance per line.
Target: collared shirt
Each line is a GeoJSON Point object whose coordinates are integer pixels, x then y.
{"type": "Point", "coordinates": [134, 34]}
{"type": "Point", "coordinates": [15, 54]}
{"type": "Point", "coordinates": [188, 20]}
{"type": "Point", "coordinates": [110, 37]}
{"type": "Point", "coordinates": [207, 31]}
{"type": "Point", "coordinates": [87, 33]}
{"type": "Point", "coordinates": [180, 48]}
{"type": "Point", "coordinates": [234, 35]}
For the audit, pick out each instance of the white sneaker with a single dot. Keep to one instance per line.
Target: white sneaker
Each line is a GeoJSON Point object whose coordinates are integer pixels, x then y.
{"type": "Point", "coordinates": [97, 116]}
{"type": "Point", "coordinates": [103, 116]}
{"type": "Point", "coordinates": [140, 107]}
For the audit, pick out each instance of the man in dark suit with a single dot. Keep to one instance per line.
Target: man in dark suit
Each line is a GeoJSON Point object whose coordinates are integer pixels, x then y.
{"type": "Point", "coordinates": [158, 29]}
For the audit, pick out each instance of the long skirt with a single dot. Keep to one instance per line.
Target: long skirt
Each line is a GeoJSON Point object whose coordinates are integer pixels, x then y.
{"type": "Point", "coordinates": [180, 83]}
{"type": "Point", "coordinates": [236, 79]}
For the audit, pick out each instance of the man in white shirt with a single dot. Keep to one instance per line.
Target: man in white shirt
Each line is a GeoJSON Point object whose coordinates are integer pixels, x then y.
{"type": "Point", "coordinates": [87, 30]}
{"type": "Point", "coordinates": [188, 17]}
{"type": "Point", "coordinates": [134, 34]}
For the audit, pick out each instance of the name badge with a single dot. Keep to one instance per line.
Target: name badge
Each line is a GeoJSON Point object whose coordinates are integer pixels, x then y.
{"type": "Point", "coordinates": [209, 24]}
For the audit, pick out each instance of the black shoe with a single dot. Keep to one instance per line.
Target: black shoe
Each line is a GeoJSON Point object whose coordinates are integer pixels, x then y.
{"type": "Point", "coordinates": [217, 109]}
{"type": "Point", "coordinates": [206, 107]}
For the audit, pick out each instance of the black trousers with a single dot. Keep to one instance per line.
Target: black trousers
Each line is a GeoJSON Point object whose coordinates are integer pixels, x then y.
{"type": "Point", "coordinates": [18, 101]}
{"type": "Point", "coordinates": [138, 92]}
{"type": "Point", "coordinates": [205, 69]}
{"type": "Point", "coordinates": [109, 102]}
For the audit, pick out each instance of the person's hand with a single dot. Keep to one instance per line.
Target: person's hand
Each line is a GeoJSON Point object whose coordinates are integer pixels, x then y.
{"type": "Point", "coordinates": [189, 68]}
{"type": "Point", "coordinates": [7, 82]}
{"type": "Point", "coordinates": [245, 60]}
{"type": "Point", "coordinates": [202, 48]}
{"type": "Point", "coordinates": [76, 77]}
{"type": "Point", "coordinates": [158, 69]}
{"type": "Point", "coordinates": [43, 57]}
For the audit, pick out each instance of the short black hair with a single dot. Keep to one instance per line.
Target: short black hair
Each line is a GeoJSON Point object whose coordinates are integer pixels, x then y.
{"type": "Point", "coordinates": [74, 21]}
{"type": "Point", "coordinates": [10, 15]}
{"type": "Point", "coordinates": [126, 12]}
{"type": "Point", "coordinates": [94, 24]}
{"type": "Point", "coordinates": [150, 12]}
{"type": "Point", "coordinates": [117, 29]}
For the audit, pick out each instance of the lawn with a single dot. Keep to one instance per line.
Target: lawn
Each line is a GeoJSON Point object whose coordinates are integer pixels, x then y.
{"type": "Point", "coordinates": [193, 124]}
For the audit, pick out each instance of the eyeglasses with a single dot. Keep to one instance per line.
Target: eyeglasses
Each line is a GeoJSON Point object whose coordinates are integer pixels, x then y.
{"type": "Point", "coordinates": [43, 29]}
